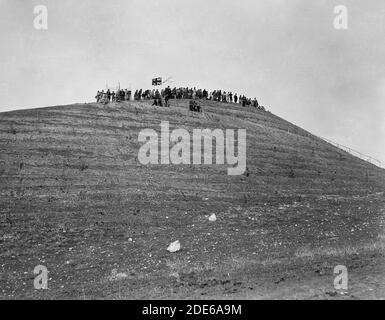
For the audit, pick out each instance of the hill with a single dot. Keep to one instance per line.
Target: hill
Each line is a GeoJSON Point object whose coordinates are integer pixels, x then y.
{"type": "Point", "coordinates": [75, 199]}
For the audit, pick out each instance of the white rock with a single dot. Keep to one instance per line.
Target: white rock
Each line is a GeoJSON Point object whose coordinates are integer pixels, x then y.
{"type": "Point", "coordinates": [174, 247]}
{"type": "Point", "coordinates": [117, 276]}
{"type": "Point", "coordinates": [213, 218]}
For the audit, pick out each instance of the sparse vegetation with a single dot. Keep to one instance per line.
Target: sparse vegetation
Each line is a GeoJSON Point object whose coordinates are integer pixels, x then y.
{"type": "Point", "coordinates": [83, 206]}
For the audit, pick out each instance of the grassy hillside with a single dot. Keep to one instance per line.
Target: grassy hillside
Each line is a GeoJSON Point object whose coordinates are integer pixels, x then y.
{"type": "Point", "coordinates": [75, 198]}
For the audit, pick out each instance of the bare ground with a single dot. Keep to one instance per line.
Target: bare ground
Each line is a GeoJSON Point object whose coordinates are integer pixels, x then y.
{"type": "Point", "coordinates": [75, 199]}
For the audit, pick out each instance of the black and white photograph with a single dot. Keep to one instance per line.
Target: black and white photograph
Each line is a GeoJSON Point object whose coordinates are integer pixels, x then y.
{"type": "Point", "coordinates": [220, 152]}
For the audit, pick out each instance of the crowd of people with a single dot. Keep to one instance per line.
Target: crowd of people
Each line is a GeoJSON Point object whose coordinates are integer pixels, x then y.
{"type": "Point", "coordinates": [158, 96]}
{"type": "Point", "coordinates": [112, 96]}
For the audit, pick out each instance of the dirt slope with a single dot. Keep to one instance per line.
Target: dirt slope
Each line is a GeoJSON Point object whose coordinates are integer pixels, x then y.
{"type": "Point", "coordinates": [75, 198]}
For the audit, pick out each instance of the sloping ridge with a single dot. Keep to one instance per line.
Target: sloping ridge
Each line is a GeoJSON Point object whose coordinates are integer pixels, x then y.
{"type": "Point", "coordinates": [74, 169]}
{"type": "Point", "coordinates": [69, 145]}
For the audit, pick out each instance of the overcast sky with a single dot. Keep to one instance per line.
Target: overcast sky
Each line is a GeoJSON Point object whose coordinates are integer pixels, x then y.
{"type": "Point", "coordinates": [286, 53]}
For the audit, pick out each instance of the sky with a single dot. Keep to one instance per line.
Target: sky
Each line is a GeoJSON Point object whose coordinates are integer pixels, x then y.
{"type": "Point", "coordinates": [287, 53]}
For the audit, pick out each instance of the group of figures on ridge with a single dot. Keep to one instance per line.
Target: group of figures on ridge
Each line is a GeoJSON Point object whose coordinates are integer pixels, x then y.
{"type": "Point", "coordinates": [161, 97]}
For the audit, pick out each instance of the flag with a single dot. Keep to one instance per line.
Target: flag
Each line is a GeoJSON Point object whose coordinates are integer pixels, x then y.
{"type": "Point", "coordinates": [157, 81]}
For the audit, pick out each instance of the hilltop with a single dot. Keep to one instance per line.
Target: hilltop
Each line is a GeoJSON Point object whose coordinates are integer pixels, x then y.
{"type": "Point", "coordinates": [75, 199]}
